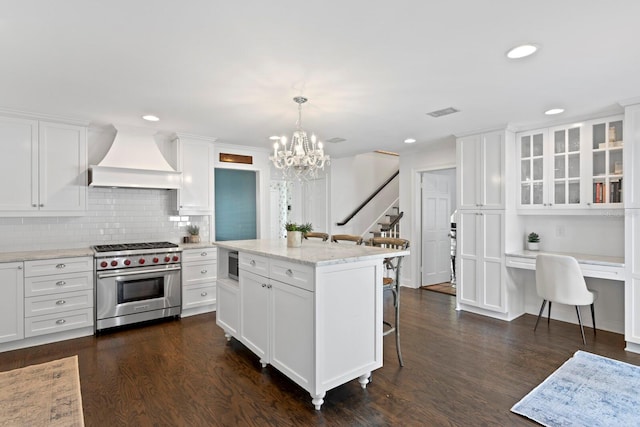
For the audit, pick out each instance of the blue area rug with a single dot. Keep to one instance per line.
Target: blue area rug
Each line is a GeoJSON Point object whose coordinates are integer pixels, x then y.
{"type": "Point", "coordinates": [587, 390]}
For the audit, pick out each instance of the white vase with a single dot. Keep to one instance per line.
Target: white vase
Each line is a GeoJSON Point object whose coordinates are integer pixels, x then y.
{"type": "Point", "coordinates": [533, 246]}
{"type": "Point", "coordinates": [294, 239]}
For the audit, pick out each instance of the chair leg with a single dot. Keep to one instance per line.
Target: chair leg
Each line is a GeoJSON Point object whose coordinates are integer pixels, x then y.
{"type": "Point", "coordinates": [549, 314]}
{"type": "Point", "coordinates": [544, 302]}
{"type": "Point", "coordinates": [584, 341]}
{"type": "Point", "coordinates": [593, 317]}
{"type": "Point", "coordinates": [397, 307]}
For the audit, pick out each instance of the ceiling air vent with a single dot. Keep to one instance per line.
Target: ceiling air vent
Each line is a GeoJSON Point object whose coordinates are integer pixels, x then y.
{"type": "Point", "coordinates": [336, 140]}
{"type": "Point", "coordinates": [443, 112]}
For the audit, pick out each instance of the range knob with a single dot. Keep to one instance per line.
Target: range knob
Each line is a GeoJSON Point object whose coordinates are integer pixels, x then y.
{"type": "Point", "coordinates": [167, 259]}
{"type": "Point", "coordinates": [175, 258]}
{"type": "Point", "coordinates": [155, 260]}
{"type": "Point", "coordinates": [103, 264]}
{"type": "Point", "coordinates": [114, 263]}
{"type": "Point", "coordinates": [141, 261]}
{"type": "Point", "coordinates": [127, 262]}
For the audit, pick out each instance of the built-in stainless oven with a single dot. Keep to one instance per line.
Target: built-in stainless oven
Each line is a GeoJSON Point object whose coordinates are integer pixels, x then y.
{"type": "Point", "coordinates": [133, 287]}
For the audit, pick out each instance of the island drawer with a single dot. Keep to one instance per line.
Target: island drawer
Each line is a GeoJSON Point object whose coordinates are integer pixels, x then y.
{"type": "Point", "coordinates": [57, 266]}
{"type": "Point", "coordinates": [254, 263]}
{"type": "Point", "coordinates": [203, 254]}
{"type": "Point", "coordinates": [292, 273]}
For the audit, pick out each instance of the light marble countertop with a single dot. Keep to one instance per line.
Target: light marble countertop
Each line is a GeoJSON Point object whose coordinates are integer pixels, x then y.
{"type": "Point", "coordinates": [581, 258]}
{"type": "Point", "coordinates": [311, 252]}
{"type": "Point", "coordinates": [185, 246]}
{"type": "Point", "coordinates": [45, 254]}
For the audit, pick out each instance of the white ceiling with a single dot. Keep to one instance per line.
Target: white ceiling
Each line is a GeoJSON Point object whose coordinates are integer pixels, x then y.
{"type": "Point", "coordinates": [370, 68]}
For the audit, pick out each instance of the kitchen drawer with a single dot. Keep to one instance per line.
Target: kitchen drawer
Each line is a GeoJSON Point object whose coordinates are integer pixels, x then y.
{"type": "Point", "coordinates": [45, 285]}
{"type": "Point", "coordinates": [198, 273]}
{"type": "Point", "coordinates": [292, 273]}
{"type": "Point", "coordinates": [58, 303]}
{"type": "Point", "coordinates": [45, 267]}
{"type": "Point", "coordinates": [194, 296]}
{"type": "Point", "coordinates": [204, 254]}
{"type": "Point", "coordinates": [253, 263]}
{"type": "Point", "coordinates": [57, 322]}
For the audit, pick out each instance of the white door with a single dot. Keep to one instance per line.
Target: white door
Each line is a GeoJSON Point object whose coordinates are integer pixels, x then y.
{"type": "Point", "coordinates": [436, 226]}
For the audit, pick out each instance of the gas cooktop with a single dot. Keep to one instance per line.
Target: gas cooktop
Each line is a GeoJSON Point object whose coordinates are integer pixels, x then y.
{"type": "Point", "coordinates": [142, 247]}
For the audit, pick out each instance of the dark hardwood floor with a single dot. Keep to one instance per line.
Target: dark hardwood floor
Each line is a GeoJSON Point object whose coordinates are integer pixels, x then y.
{"type": "Point", "coordinates": [460, 369]}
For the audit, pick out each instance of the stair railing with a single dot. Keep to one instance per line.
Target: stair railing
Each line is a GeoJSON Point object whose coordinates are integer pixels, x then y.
{"type": "Point", "coordinates": [363, 204]}
{"type": "Point", "coordinates": [393, 229]}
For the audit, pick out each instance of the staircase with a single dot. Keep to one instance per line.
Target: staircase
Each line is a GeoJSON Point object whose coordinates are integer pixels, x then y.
{"type": "Point", "coordinates": [390, 227]}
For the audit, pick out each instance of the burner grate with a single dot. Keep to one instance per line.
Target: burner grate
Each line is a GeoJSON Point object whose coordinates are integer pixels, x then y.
{"type": "Point", "coordinates": [134, 246]}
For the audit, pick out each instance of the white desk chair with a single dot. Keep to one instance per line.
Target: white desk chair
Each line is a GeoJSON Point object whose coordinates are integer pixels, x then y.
{"type": "Point", "coordinates": [559, 279]}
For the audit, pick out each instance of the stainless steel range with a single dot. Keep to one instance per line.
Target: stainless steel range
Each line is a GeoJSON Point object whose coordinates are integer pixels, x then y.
{"type": "Point", "coordinates": [137, 282]}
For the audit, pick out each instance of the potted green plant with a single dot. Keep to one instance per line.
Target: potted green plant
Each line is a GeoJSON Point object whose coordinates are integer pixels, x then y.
{"type": "Point", "coordinates": [194, 233]}
{"type": "Point", "coordinates": [533, 241]}
{"type": "Point", "coordinates": [295, 232]}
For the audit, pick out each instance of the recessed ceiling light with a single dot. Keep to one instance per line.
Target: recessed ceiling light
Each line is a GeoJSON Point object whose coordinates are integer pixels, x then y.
{"type": "Point", "coordinates": [554, 111]}
{"type": "Point", "coordinates": [409, 140]}
{"type": "Point", "coordinates": [274, 138]}
{"type": "Point", "coordinates": [522, 51]}
{"type": "Point", "coordinates": [151, 118]}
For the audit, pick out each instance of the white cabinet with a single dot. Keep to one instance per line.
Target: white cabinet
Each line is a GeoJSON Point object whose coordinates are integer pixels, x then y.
{"type": "Point", "coordinates": [228, 307]}
{"type": "Point", "coordinates": [481, 256]}
{"type": "Point", "coordinates": [58, 295]}
{"type": "Point", "coordinates": [199, 272]}
{"type": "Point", "coordinates": [195, 161]}
{"type": "Point", "coordinates": [570, 167]}
{"type": "Point", "coordinates": [11, 303]}
{"type": "Point", "coordinates": [43, 169]}
{"type": "Point", "coordinates": [480, 168]}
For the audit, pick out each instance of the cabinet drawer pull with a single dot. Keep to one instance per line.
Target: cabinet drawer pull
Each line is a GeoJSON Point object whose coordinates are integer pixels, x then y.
{"type": "Point", "coordinates": [203, 271]}
{"type": "Point", "coordinates": [269, 286]}
{"type": "Point", "coordinates": [289, 272]}
{"type": "Point", "coordinates": [203, 294]}
{"type": "Point", "coordinates": [61, 283]}
{"type": "Point", "coordinates": [253, 263]}
{"type": "Point", "coordinates": [60, 266]}
{"type": "Point", "coordinates": [60, 321]}
{"type": "Point", "coordinates": [60, 302]}
{"type": "Point", "coordinates": [203, 254]}
{"type": "Point", "coordinates": [264, 285]}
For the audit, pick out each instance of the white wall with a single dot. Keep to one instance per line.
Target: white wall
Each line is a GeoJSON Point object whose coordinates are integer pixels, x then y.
{"type": "Point", "coordinates": [353, 179]}
{"type": "Point", "coordinates": [436, 156]}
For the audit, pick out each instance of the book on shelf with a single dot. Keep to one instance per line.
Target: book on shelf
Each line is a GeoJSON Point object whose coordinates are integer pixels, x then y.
{"type": "Point", "coordinates": [598, 192]}
{"type": "Point", "coordinates": [615, 191]}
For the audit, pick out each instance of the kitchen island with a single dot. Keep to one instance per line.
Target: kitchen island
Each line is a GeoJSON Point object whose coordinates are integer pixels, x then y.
{"type": "Point", "coordinates": [313, 312]}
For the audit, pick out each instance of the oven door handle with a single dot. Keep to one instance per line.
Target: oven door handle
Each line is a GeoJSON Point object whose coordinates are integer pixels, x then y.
{"type": "Point", "coordinates": [131, 273]}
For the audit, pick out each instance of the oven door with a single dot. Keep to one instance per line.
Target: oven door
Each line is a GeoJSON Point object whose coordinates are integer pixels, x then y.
{"type": "Point", "coordinates": [124, 292]}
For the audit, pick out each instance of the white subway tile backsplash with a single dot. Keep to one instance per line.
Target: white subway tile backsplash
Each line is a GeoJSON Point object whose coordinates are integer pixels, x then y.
{"type": "Point", "coordinates": [114, 215]}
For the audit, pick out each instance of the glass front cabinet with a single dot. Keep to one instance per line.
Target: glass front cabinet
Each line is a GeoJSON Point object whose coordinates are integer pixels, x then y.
{"type": "Point", "coordinates": [577, 166]}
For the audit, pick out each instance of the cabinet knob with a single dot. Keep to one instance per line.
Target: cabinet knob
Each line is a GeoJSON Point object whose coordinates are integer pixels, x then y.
{"type": "Point", "coordinates": [60, 302]}
{"type": "Point", "coordinates": [60, 321]}
{"type": "Point", "coordinates": [289, 272]}
{"type": "Point", "coordinates": [19, 267]}
{"type": "Point", "coordinates": [42, 205]}
{"type": "Point", "coordinates": [203, 271]}
{"type": "Point", "coordinates": [60, 266]}
{"type": "Point", "coordinates": [588, 203]}
{"type": "Point", "coordinates": [268, 286]}
{"type": "Point", "coordinates": [61, 283]}
{"type": "Point", "coordinates": [253, 263]}
{"type": "Point", "coordinates": [264, 285]}
{"type": "Point", "coordinates": [34, 205]}
{"type": "Point", "coordinates": [203, 254]}
{"type": "Point", "coordinates": [203, 294]}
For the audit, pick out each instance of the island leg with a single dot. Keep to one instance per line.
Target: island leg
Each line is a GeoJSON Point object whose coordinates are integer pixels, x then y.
{"type": "Point", "coordinates": [318, 400]}
{"type": "Point", "coordinates": [227, 336]}
{"type": "Point", "coordinates": [263, 363]}
{"type": "Point", "coordinates": [364, 379]}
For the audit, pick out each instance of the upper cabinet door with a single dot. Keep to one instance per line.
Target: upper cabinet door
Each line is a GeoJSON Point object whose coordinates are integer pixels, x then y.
{"type": "Point", "coordinates": [531, 164]}
{"type": "Point", "coordinates": [606, 155]}
{"type": "Point", "coordinates": [18, 164]}
{"type": "Point", "coordinates": [481, 171]}
{"type": "Point", "coordinates": [565, 173]}
{"type": "Point", "coordinates": [631, 166]}
{"type": "Point", "coordinates": [196, 164]}
{"type": "Point", "coordinates": [63, 167]}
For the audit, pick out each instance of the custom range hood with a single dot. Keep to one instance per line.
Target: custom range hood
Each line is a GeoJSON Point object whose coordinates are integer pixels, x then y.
{"type": "Point", "coordinates": [135, 161]}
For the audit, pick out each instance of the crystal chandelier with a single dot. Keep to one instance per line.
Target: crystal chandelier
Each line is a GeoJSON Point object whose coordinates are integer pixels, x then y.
{"type": "Point", "coordinates": [303, 157]}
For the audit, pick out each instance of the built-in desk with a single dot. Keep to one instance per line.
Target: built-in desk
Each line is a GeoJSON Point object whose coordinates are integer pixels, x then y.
{"type": "Point", "coordinates": [598, 266]}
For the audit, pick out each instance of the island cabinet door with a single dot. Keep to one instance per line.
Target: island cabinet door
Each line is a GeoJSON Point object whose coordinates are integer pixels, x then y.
{"type": "Point", "coordinates": [254, 313]}
{"type": "Point", "coordinates": [292, 332]}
